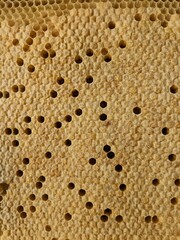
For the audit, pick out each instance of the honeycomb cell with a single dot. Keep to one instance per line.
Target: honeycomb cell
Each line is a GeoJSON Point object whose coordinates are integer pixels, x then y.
{"type": "Point", "coordinates": [71, 185]}
{"type": "Point", "coordinates": [104, 218]}
{"type": "Point", "coordinates": [20, 62]}
{"type": "Point", "coordinates": [111, 25]}
{"type": "Point", "coordinates": [15, 42]}
{"type": "Point", "coordinates": [68, 216]}
{"type": "Point", "coordinates": [31, 68]}
{"type": "Point", "coordinates": [138, 17]}
{"type": "Point", "coordinates": [89, 205]}
{"type": "Point", "coordinates": [108, 211]}
{"type": "Point", "coordinates": [44, 54]}
{"type": "Point", "coordinates": [152, 17]}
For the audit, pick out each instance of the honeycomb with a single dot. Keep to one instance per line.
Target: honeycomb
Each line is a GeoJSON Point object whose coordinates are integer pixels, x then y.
{"type": "Point", "coordinates": [90, 119]}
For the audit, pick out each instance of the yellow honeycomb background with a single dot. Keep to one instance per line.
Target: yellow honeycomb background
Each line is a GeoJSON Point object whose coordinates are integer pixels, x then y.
{"type": "Point", "coordinates": [90, 119]}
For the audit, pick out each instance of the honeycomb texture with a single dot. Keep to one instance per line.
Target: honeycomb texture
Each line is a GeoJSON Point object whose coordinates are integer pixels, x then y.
{"type": "Point", "coordinates": [90, 110]}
